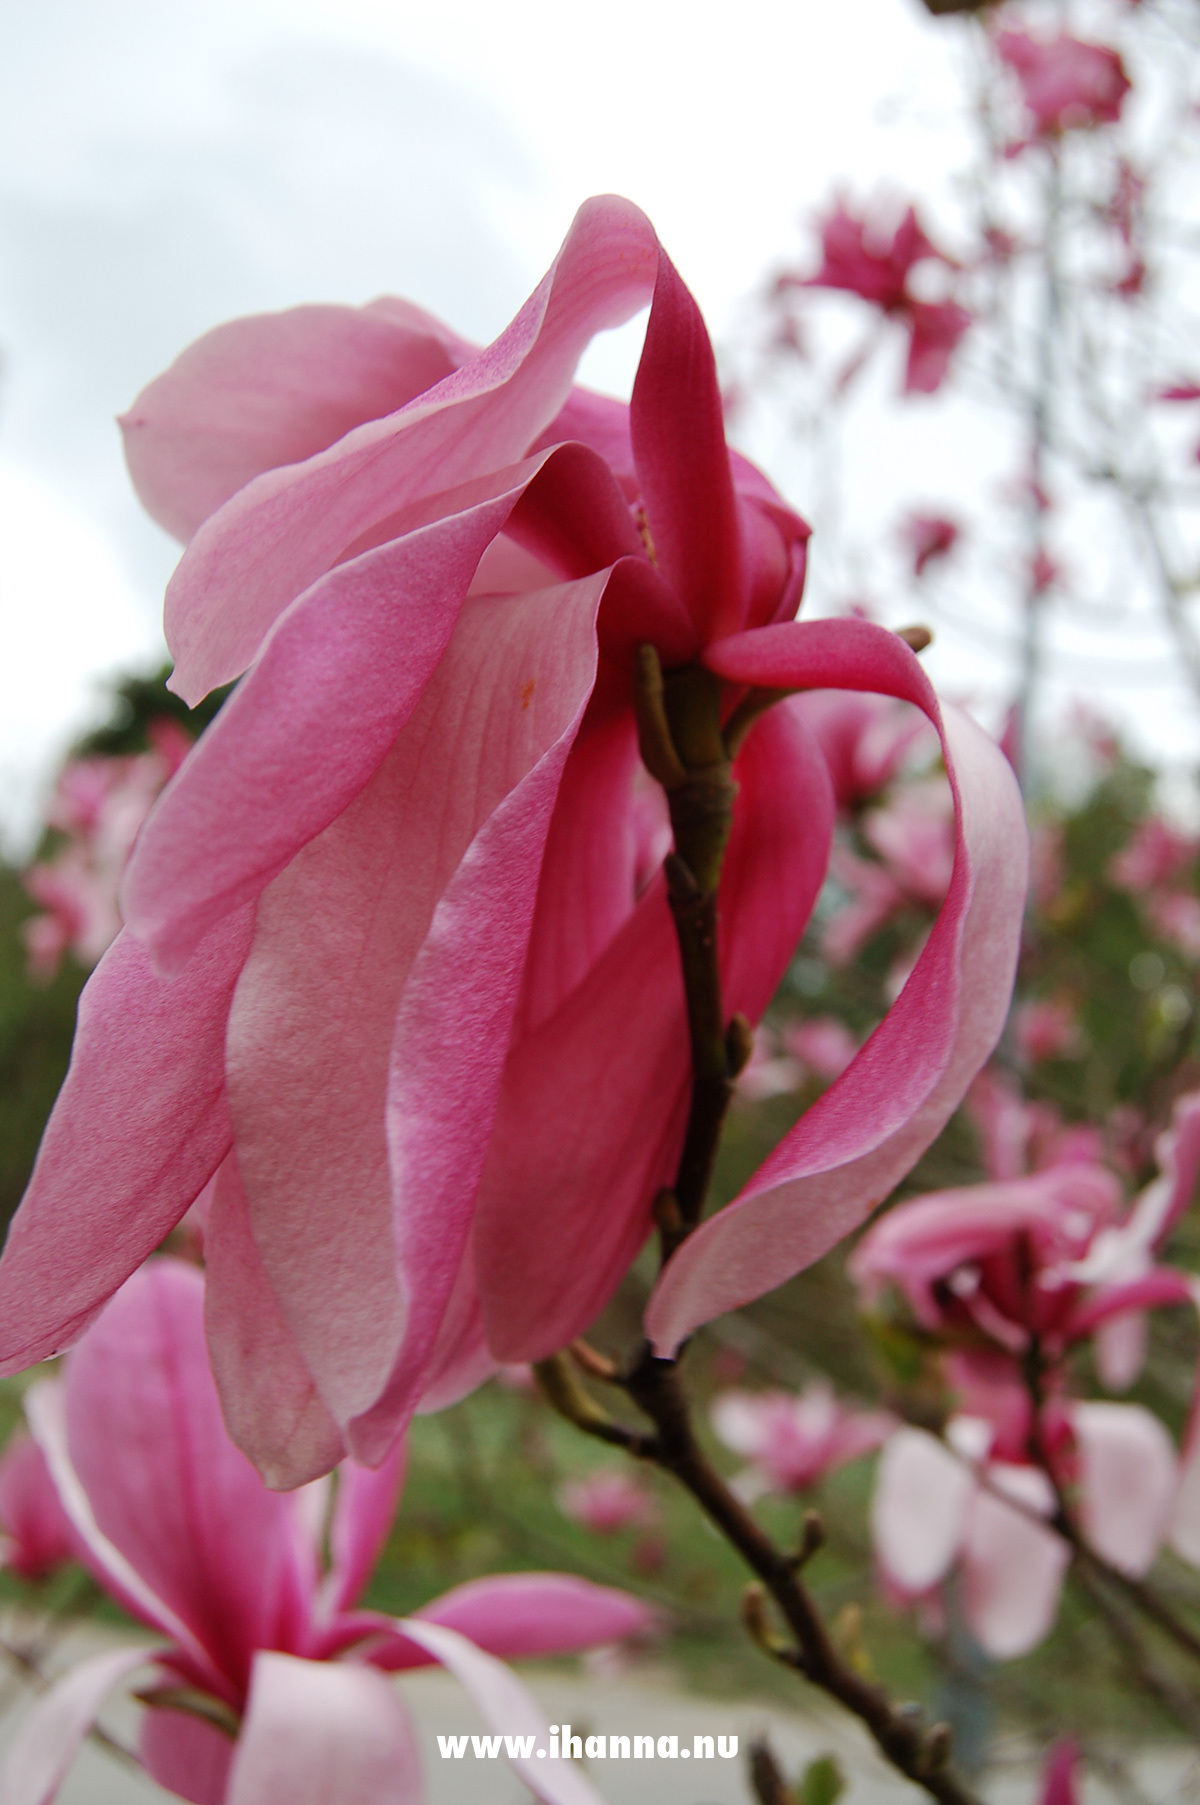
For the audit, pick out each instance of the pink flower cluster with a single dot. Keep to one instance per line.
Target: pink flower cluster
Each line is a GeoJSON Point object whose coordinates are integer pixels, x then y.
{"type": "Point", "coordinates": [1156, 867]}
{"type": "Point", "coordinates": [98, 805]}
{"type": "Point", "coordinates": [1066, 84]}
{"type": "Point", "coordinates": [793, 1441]}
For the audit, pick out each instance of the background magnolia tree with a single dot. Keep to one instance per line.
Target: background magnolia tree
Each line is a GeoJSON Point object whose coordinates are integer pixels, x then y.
{"type": "Point", "coordinates": [975, 1424]}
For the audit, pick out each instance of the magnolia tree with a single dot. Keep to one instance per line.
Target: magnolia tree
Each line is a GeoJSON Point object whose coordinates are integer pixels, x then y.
{"type": "Point", "coordinates": [450, 947]}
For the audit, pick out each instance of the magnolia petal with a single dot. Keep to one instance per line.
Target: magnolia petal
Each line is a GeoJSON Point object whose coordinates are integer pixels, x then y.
{"type": "Point", "coordinates": [1184, 1533]}
{"type": "Point", "coordinates": [919, 1508]}
{"type": "Point", "coordinates": [323, 1733]}
{"type": "Point", "coordinates": [1012, 1565]}
{"type": "Point", "coordinates": [1127, 1482]}
{"type": "Point", "coordinates": [269, 1398]}
{"type": "Point", "coordinates": [186, 1754]}
{"type": "Point", "coordinates": [271, 389]}
{"type": "Point", "coordinates": [592, 1115]}
{"type": "Point", "coordinates": [339, 677]}
{"type": "Point", "coordinates": [139, 1127]}
{"type": "Point", "coordinates": [442, 847]}
{"type": "Point", "coordinates": [678, 428]}
{"type": "Point", "coordinates": [46, 1412]}
{"type": "Point", "coordinates": [506, 1706]}
{"type": "Point", "coordinates": [849, 1150]}
{"type": "Point", "coordinates": [513, 1614]}
{"type": "Point", "coordinates": [48, 1741]}
{"type": "Point", "coordinates": [363, 1513]}
{"type": "Point", "coordinates": [168, 1488]}
{"type": "Point", "coordinates": [281, 532]}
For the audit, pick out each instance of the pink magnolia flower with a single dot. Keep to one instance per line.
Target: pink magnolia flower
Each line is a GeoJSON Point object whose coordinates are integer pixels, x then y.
{"type": "Point", "coordinates": [608, 1501]}
{"type": "Point", "coordinates": [389, 981]}
{"type": "Point", "coordinates": [1175, 915]}
{"type": "Point", "coordinates": [1065, 83]}
{"type": "Point", "coordinates": [1047, 1257]}
{"type": "Point", "coordinates": [929, 537]}
{"type": "Point", "coordinates": [269, 1687]}
{"type": "Point", "coordinates": [1156, 854]}
{"type": "Point", "coordinates": [1046, 1028]}
{"type": "Point", "coordinates": [823, 1045]}
{"type": "Point", "coordinates": [100, 804]}
{"type": "Point", "coordinates": [913, 833]}
{"type": "Point", "coordinates": [769, 1071]}
{"type": "Point", "coordinates": [940, 1505]}
{"type": "Point", "coordinates": [793, 1440]}
{"type": "Point", "coordinates": [864, 259]}
{"type": "Point", "coordinates": [35, 1535]}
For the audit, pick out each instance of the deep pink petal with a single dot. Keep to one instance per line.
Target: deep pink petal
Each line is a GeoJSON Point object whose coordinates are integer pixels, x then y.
{"type": "Point", "coordinates": [506, 1707]}
{"type": "Point", "coordinates": [591, 1116]}
{"type": "Point", "coordinates": [868, 1128]}
{"type": "Point", "coordinates": [167, 1486]}
{"type": "Point", "coordinates": [1058, 1775]}
{"type": "Point", "coordinates": [185, 1754]}
{"type": "Point", "coordinates": [269, 1399]}
{"type": "Point", "coordinates": [271, 389]}
{"type": "Point", "coordinates": [363, 1513]}
{"type": "Point", "coordinates": [513, 1614]}
{"type": "Point", "coordinates": [1153, 1290]}
{"type": "Point", "coordinates": [919, 1508]}
{"type": "Point", "coordinates": [461, 1359]}
{"type": "Point", "coordinates": [139, 1127]}
{"type": "Point", "coordinates": [678, 427]}
{"type": "Point", "coordinates": [47, 1743]}
{"type": "Point", "coordinates": [32, 1519]}
{"type": "Point", "coordinates": [1127, 1482]}
{"type": "Point", "coordinates": [1013, 1566]}
{"type": "Point", "coordinates": [340, 676]}
{"type": "Point", "coordinates": [319, 1732]}
{"type": "Point", "coordinates": [444, 841]}
{"type": "Point", "coordinates": [280, 533]}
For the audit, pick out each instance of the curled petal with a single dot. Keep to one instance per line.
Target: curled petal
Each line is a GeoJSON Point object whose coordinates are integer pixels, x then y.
{"type": "Point", "coordinates": [868, 1128]}
{"type": "Point", "coordinates": [513, 1614]}
{"type": "Point", "coordinates": [285, 529]}
{"type": "Point", "coordinates": [273, 389]}
{"type": "Point", "coordinates": [321, 1731]}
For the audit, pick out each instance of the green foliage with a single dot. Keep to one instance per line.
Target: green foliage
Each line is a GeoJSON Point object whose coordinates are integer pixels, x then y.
{"type": "Point", "coordinates": [821, 1783]}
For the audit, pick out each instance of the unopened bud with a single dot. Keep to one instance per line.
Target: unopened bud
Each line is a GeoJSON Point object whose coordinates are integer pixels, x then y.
{"type": "Point", "coordinates": [915, 637]}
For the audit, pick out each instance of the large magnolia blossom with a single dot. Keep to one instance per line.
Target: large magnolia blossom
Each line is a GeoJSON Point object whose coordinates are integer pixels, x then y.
{"type": "Point", "coordinates": [396, 979]}
{"type": "Point", "coordinates": [270, 1689]}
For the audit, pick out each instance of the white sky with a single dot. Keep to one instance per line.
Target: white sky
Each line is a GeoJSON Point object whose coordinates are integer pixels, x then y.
{"type": "Point", "coordinates": [166, 164]}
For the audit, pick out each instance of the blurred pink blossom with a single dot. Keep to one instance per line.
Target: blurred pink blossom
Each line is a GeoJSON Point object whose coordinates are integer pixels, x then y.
{"type": "Point", "coordinates": [768, 1072]}
{"type": "Point", "coordinates": [792, 1440]}
{"type": "Point", "coordinates": [930, 537]}
{"type": "Point", "coordinates": [1175, 915]}
{"type": "Point", "coordinates": [867, 740]}
{"type": "Point", "coordinates": [1066, 84]}
{"type": "Point", "coordinates": [179, 1528]}
{"type": "Point", "coordinates": [35, 1534]}
{"type": "Point", "coordinates": [864, 258]}
{"type": "Point", "coordinates": [822, 1044]}
{"type": "Point", "coordinates": [1157, 853]}
{"type": "Point", "coordinates": [913, 833]}
{"type": "Point", "coordinates": [1047, 1028]}
{"type": "Point", "coordinates": [608, 1501]}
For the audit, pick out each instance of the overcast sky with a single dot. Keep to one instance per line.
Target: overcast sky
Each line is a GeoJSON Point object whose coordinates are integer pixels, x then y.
{"type": "Point", "coordinates": [165, 165]}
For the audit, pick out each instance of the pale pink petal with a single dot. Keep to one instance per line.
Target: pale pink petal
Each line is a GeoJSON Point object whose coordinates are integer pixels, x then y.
{"type": "Point", "coordinates": [363, 1513]}
{"type": "Point", "coordinates": [461, 1359]}
{"type": "Point", "coordinates": [271, 389]}
{"type": "Point", "coordinates": [1012, 1565]}
{"type": "Point", "coordinates": [444, 842]}
{"type": "Point", "coordinates": [919, 1508]}
{"type": "Point", "coordinates": [269, 1399]}
{"type": "Point", "coordinates": [1119, 1348]}
{"type": "Point", "coordinates": [282, 531]}
{"type": "Point", "coordinates": [340, 676]}
{"type": "Point", "coordinates": [47, 1743]}
{"type": "Point", "coordinates": [678, 428]}
{"type": "Point", "coordinates": [506, 1707]}
{"type": "Point", "coordinates": [591, 1117]}
{"type": "Point", "coordinates": [31, 1515]}
{"type": "Point", "coordinates": [513, 1614]}
{"type": "Point", "coordinates": [139, 1127]}
{"type": "Point", "coordinates": [1127, 1482]}
{"type": "Point", "coordinates": [323, 1733]}
{"type": "Point", "coordinates": [1184, 1532]}
{"type": "Point", "coordinates": [186, 1754]}
{"type": "Point", "coordinates": [168, 1488]}
{"type": "Point", "coordinates": [868, 1128]}
{"type": "Point", "coordinates": [46, 1410]}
